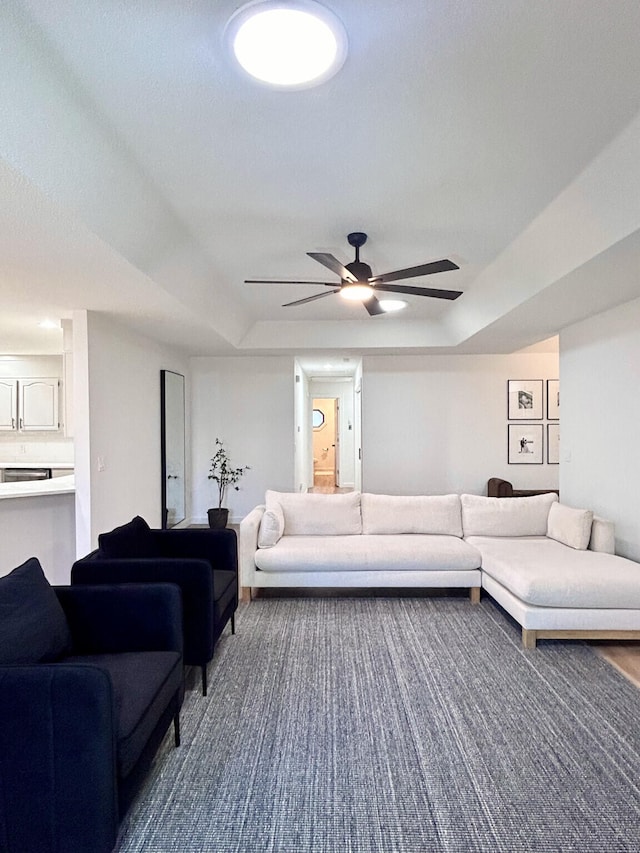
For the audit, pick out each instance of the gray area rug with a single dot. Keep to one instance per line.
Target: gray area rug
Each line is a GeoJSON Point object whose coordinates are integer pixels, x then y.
{"type": "Point", "coordinates": [406, 724]}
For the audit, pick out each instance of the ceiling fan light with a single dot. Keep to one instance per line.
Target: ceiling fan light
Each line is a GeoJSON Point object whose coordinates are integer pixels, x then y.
{"type": "Point", "coordinates": [391, 305]}
{"type": "Point", "coordinates": [288, 44]}
{"type": "Point", "coordinates": [356, 292]}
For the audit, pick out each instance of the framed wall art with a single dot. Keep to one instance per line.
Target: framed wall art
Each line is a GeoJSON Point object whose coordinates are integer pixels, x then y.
{"type": "Point", "coordinates": [525, 444]}
{"type": "Point", "coordinates": [553, 444]}
{"type": "Point", "coordinates": [524, 399]}
{"type": "Point", "coordinates": [553, 399]}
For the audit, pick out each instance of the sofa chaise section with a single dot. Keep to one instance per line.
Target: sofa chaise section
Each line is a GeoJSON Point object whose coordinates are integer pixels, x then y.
{"type": "Point", "coordinates": [552, 568]}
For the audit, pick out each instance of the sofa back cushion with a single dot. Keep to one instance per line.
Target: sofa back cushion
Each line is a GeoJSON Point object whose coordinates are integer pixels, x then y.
{"type": "Point", "coordinates": [570, 526]}
{"type": "Point", "coordinates": [431, 514]}
{"type": "Point", "coordinates": [271, 526]}
{"type": "Point", "coordinates": [506, 516]}
{"type": "Point", "coordinates": [131, 540]}
{"type": "Point", "coordinates": [318, 515]}
{"type": "Point", "coordinates": [33, 626]}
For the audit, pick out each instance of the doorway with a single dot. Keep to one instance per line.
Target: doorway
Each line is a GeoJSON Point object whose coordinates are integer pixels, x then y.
{"type": "Point", "coordinates": [325, 442]}
{"type": "Point", "coordinates": [340, 383]}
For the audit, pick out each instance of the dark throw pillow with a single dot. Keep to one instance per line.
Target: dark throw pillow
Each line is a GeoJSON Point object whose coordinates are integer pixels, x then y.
{"type": "Point", "coordinates": [33, 626]}
{"type": "Point", "coordinates": [131, 540]}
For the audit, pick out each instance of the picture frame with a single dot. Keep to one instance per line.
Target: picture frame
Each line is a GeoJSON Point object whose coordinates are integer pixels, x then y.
{"type": "Point", "coordinates": [553, 399]}
{"type": "Point", "coordinates": [525, 444]}
{"type": "Point", "coordinates": [524, 399]}
{"type": "Point", "coordinates": [553, 444]}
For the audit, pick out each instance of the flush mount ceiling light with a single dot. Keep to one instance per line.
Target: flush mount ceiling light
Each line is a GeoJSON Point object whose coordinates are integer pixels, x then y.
{"type": "Point", "coordinates": [292, 44]}
{"type": "Point", "coordinates": [390, 305]}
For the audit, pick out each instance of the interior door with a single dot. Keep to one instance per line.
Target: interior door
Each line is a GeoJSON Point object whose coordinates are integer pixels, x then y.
{"type": "Point", "coordinates": [173, 447]}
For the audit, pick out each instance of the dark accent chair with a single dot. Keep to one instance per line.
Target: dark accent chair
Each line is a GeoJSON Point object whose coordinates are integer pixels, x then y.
{"type": "Point", "coordinates": [497, 488]}
{"type": "Point", "coordinates": [90, 680]}
{"type": "Point", "coordinates": [202, 562]}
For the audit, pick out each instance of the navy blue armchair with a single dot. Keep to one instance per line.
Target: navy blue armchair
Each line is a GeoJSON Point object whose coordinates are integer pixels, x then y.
{"type": "Point", "coordinates": [91, 679]}
{"type": "Point", "coordinates": [202, 562]}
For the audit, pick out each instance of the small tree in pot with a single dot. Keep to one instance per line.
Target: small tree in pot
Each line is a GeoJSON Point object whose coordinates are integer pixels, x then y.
{"type": "Point", "coordinates": [225, 476]}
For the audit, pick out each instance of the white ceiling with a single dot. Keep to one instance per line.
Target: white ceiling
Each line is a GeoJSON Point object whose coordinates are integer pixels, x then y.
{"type": "Point", "coordinates": [142, 175]}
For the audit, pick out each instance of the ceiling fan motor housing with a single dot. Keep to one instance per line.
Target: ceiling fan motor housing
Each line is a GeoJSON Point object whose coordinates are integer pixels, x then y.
{"type": "Point", "coordinates": [360, 270]}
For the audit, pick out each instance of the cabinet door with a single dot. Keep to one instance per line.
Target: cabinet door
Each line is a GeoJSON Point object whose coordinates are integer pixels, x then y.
{"type": "Point", "coordinates": [39, 404]}
{"type": "Point", "coordinates": [8, 404]}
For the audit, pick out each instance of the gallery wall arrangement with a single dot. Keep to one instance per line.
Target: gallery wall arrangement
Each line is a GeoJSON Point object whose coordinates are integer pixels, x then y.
{"type": "Point", "coordinates": [527, 401]}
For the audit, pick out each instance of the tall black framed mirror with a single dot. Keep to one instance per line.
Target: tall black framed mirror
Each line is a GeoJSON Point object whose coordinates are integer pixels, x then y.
{"type": "Point", "coordinates": [172, 442]}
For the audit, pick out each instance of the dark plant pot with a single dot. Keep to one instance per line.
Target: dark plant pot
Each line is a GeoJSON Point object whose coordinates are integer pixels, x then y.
{"type": "Point", "coordinates": [218, 518]}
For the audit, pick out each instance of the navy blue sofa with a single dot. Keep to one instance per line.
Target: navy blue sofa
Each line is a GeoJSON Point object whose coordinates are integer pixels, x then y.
{"type": "Point", "coordinates": [202, 562]}
{"type": "Point", "coordinates": [91, 679]}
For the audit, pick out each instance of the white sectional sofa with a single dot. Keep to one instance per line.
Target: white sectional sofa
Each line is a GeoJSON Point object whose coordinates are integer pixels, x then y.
{"type": "Point", "coordinates": [551, 567]}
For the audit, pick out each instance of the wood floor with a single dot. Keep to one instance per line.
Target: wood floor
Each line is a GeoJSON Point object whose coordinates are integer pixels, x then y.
{"type": "Point", "coordinates": [624, 656]}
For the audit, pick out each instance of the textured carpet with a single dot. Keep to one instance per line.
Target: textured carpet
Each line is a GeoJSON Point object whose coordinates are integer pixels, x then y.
{"type": "Point", "coordinates": [396, 725]}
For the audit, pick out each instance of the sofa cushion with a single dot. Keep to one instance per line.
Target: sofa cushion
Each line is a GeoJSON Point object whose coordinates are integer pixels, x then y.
{"type": "Point", "coordinates": [570, 526]}
{"type": "Point", "coordinates": [545, 573]}
{"type": "Point", "coordinates": [405, 552]}
{"type": "Point", "coordinates": [33, 626]}
{"type": "Point", "coordinates": [143, 684]}
{"type": "Point", "coordinates": [133, 539]}
{"type": "Point", "coordinates": [506, 516]}
{"type": "Point", "coordinates": [271, 526]}
{"type": "Point", "coordinates": [318, 515]}
{"type": "Point", "coordinates": [390, 514]}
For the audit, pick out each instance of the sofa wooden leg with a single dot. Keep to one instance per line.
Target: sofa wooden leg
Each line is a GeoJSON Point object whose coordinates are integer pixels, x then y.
{"type": "Point", "coordinates": [529, 639]}
{"type": "Point", "coordinates": [245, 594]}
{"type": "Point", "coordinates": [176, 729]}
{"type": "Point", "coordinates": [204, 680]}
{"type": "Point", "coordinates": [474, 593]}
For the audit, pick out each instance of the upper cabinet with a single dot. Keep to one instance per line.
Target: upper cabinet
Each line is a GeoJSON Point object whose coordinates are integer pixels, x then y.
{"type": "Point", "coordinates": [29, 404]}
{"type": "Point", "coordinates": [8, 404]}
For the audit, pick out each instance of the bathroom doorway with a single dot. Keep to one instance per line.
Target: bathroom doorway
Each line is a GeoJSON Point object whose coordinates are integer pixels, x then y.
{"type": "Point", "coordinates": [340, 382]}
{"type": "Point", "coordinates": [325, 442]}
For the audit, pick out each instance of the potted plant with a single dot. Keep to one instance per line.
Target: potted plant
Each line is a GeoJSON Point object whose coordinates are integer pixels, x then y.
{"type": "Point", "coordinates": [225, 476]}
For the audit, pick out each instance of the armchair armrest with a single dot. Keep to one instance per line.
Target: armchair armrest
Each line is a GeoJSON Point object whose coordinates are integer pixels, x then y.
{"type": "Point", "coordinates": [57, 741]}
{"type": "Point", "coordinates": [123, 618]}
{"type": "Point", "coordinates": [218, 547]}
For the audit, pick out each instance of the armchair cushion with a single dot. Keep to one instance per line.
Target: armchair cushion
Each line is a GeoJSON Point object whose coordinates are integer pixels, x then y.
{"type": "Point", "coordinates": [33, 625]}
{"type": "Point", "coordinates": [143, 685]}
{"type": "Point", "coordinates": [133, 539]}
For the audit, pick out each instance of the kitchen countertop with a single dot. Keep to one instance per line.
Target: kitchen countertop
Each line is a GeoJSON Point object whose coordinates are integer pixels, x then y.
{"type": "Point", "coordinates": [55, 465]}
{"type": "Point", "coordinates": [36, 488]}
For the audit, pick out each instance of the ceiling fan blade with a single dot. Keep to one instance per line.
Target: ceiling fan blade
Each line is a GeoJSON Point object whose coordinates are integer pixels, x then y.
{"type": "Point", "coordinates": [271, 281]}
{"type": "Point", "coordinates": [333, 264]}
{"type": "Point", "coordinates": [412, 272]}
{"type": "Point", "coordinates": [310, 298]}
{"type": "Point", "coordinates": [373, 306]}
{"type": "Point", "coordinates": [418, 291]}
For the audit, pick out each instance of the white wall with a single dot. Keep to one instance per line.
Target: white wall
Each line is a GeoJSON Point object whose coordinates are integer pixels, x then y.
{"type": "Point", "coordinates": [303, 477]}
{"type": "Point", "coordinates": [431, 424]}
{"type": "Point", "coordinates": [438, 424]}
{"type": "Point", "coordinates": [248, 403]}
{"type": "Point", "coordinates": [42, 527]}
{"type": "Point", "coordinates": [600, 400]}
{"type": "Point", "coordinates": [117, 402]}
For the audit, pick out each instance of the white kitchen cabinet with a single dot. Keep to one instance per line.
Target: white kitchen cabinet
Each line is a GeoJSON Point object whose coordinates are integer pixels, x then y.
{"type": "Point", "coordinates": [38, 401]}
{"type": "Point", "coordinates": [8, 404]}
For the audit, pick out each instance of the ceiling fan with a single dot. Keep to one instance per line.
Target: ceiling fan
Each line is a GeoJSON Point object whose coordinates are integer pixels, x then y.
{"type": "Point", "coordinates": [358, 283]}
